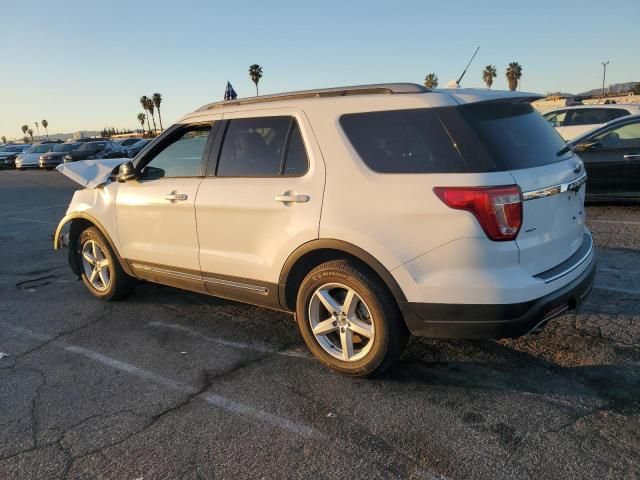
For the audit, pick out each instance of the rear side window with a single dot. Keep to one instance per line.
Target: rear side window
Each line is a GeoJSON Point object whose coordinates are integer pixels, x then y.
{"type": "Point", "coordinates": [614, 113]}
{"type": "Point", "coordinates": [475, 138]}
{"type": "Point", "coordinates": [514, 135]}
{"type": "Point", "coordinates": [402, 141]}
{"type": "Point", "coordinates": [262, 147]}
{"type": "Point", "coordinates": [587, 116]}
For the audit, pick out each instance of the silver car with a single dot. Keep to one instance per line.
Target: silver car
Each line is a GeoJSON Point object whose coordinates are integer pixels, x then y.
{"type": "Point", "coordinates": [31, 158]}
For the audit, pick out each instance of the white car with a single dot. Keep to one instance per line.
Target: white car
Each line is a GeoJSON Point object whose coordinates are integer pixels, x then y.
{"type": "Point", "coordinates": [576, 120]}
{"type": "Point", "coordinates": [369, 212]}
{"type": "Point", "coordinates": [30, 158]}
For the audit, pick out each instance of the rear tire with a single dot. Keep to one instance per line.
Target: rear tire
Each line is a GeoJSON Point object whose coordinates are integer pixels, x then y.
{"type": "Point", "coordinates": [100, 269]}
{"type": "Point", "coordinates": [349, 319]}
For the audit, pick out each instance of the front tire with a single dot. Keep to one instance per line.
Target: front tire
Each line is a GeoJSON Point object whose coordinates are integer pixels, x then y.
{"type": "Point", "coordinates": [100, 269]}
{"type": "Point", "coordinates": [349, 319]}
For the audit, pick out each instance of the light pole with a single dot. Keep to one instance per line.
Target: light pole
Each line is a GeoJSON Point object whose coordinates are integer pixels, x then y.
{"type": "Point", "coordinates": [604, 74]}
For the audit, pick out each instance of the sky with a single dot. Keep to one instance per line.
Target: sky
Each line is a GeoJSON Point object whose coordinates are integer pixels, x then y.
{"type": "Point", "coordinates": [83, 65]}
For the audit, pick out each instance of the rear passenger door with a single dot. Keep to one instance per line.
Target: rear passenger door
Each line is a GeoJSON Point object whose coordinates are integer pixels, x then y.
{"type": "Point", "coordinates": [260, 200]}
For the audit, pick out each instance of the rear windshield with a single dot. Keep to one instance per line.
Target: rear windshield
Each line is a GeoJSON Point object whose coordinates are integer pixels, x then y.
{"type": "Point", "coordinates": [481, 137]}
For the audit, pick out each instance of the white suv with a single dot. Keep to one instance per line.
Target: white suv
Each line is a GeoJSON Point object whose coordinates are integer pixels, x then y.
{"type": "Point", "coordinates": [370, 212]}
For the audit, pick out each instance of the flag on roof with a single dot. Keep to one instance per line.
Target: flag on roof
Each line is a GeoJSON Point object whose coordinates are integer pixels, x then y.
{"type": "Point", "coordinates": [229, 92]}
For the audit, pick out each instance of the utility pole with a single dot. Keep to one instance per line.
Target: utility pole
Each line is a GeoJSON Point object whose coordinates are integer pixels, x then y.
{"type": "Point", "coordinates": [604, 74]}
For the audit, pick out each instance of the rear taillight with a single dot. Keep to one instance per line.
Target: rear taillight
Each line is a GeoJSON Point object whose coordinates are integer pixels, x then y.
{"type": "Point", "coordinates": [498, 209]}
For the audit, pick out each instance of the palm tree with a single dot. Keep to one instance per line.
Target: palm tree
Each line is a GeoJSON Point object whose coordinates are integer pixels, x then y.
{"type": "Point", "coordinates": [431, 80]}
{"type": "Point", "coordinates": [24, 129]}
{"type": "Point", "coordinates": [513, 73]}
{"type": "Point", "coordinates": [255, 72]}
{"type": "Point", "coordinates": [141, 118]}
{"type": "Point", "coordinates": [144, 101]}
{"type": "Point", "coordinates": [488, 74]}
{"type": "Point", "coordinates": [150, 108]}
{"type": "Point", "coordinates": [30, 132]}
{"type": "Point", "coordinates": [45, 124]}
{"type": "Point", "coordinates": [4, 139]}
{"type": "Point", "coordinates": [25, 139]}
{"type": "Point", "coordinates": [38, 129]}
{"type": "Point", "coordinates": [157, 100]}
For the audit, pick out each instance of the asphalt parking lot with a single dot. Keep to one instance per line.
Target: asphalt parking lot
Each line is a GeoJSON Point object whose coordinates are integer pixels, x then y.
{"type": "Point", "coordinates": [169, 384]}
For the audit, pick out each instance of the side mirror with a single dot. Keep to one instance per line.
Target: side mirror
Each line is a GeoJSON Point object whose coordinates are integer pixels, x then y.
{"type": "Point", "coordinates": [589, 145]}
{"type": "Point", "coordinates": [126, 172]}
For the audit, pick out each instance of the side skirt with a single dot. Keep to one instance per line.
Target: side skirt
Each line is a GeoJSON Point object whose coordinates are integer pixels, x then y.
{"type": "Point", "coordinates": [254, 292]}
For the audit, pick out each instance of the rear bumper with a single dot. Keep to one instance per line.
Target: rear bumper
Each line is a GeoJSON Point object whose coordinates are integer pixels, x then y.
{"type": "Point", "coordinates": [441, 320]}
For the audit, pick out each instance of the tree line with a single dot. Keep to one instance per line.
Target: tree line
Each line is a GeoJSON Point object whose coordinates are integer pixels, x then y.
{"type": "Point", "coordinates": [513, 73]}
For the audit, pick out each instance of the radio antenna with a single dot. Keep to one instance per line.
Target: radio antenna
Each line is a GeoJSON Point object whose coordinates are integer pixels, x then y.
{"type": "Point", "coordinates": [465, 68]}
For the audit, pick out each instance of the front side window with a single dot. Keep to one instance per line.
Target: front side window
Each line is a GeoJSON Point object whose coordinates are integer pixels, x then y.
{"type": "Point", "coordinates": [182, 156]}
{"type": "Point", "coordinates": [626, 136]}
{"type": "Point", "coordinates": [614, 113]}
{"type": "Point", "coordinates": [556, 119]}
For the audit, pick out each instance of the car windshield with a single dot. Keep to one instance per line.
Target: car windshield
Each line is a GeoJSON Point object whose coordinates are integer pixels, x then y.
{"type": "Point", "coordinates": [64, 147]}
{"type": "Point", "coordinates": [91, 146]}
{"type": "Point", "coordinates": [41, 148]}
{"type": "Point", "coordinates": [139, 144]}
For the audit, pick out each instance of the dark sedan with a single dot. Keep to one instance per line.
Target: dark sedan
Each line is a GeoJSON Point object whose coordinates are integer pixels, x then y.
{"type": "Point", "coordinates": [55, 157]}
{"type": "Point", "coordinates": [96, 150]}
{"type": "Point", "coordinates": [611, 156]}
{"type": "Point", "coordinates": [8, 154]}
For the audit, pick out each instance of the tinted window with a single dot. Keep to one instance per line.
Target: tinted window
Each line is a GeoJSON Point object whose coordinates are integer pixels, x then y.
{"type": "Point", "coordinates": [92, 146]}
{"type": "Point", "coordinates": [614, 113]}
{"type": "Point", "coordinates": [253, 147]}
{"type": "Point", "coordinates": [64, 147]}
{"type": "Point", "coordinates": [296, 162]}
{"type": "Point", "coordinates": [182, 156]}
{"type": "Point", "coordinates": [402, 141]}
{"type": "Point", "coordinates": [586, 116]}
{"type": "Point", "coordinates": [626, 136]}
{"type": "Point", "coordinates": [514, 135]}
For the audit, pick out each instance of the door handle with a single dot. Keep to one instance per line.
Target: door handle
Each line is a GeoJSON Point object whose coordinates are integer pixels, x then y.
{"type": "Point", "coordinates": [289, 197]}
{"type": "Point", "coordinates": [176, 197]}
{"type": "Point", "coordinates": [631, 156]}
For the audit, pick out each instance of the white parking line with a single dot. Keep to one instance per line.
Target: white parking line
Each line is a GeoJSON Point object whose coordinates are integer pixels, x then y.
{"type": "Point", "coordinates": [622, 222]}
{"type": "Point", "coordinates": [247, 346]}
{"type": "Point", "coordinates": [30, 220]}
{"type": "Point", "coordinates": [630, 291]}
{"type": "Point", "coordinates": [33, 210]}
{"type": "Point", "coordinates": [218, 401]}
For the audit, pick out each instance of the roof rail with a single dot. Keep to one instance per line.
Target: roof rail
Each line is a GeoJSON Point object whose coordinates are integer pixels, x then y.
{"type": "Point", "coordinates": [374, 89]}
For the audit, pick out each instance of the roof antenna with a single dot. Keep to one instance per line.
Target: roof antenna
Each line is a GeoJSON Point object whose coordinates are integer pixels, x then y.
{"type": "Point", "coordinates": [456, 83]}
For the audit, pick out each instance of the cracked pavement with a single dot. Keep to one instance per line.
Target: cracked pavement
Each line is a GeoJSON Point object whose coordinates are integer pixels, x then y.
{"type": "Point", "coordinates": [170, 384]}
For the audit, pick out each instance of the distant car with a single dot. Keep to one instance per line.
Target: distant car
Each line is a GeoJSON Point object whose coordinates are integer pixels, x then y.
{"type": "Point", "coordinates": [570, 122]}
{"type": "Point", "coordinates": [31, 157]}
{"type": "Point", "coordinates": [55, 157]}
{"type": "Point", "coordinates": [8, 154]}
{"type": "Point", "coordinates": [96, 150]}
{"type": "Point", "coordinates": [137, 147]}
{"type": "Point", "coordinates": [128, 142]}
{"type": "Point", "coordinates": [611, 156]}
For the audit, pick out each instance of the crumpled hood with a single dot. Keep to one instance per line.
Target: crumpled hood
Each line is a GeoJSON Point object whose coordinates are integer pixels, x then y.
{"type": "Point", "coordinates": [91, 173]}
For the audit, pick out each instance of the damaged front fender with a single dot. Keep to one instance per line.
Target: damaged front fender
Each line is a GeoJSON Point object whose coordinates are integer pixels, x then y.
{"type": "Point", "coordinates": [91, 173]}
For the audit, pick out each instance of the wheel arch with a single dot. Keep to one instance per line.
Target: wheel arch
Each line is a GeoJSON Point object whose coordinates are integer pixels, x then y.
{"type": "Point", "coordinates": [78, 222]}
{"type": "Point", "coordinates": [313, 253]}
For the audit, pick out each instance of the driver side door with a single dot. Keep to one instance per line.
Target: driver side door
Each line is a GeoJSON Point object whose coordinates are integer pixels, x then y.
{"type": "Point", "coordinates": [156, 211]}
